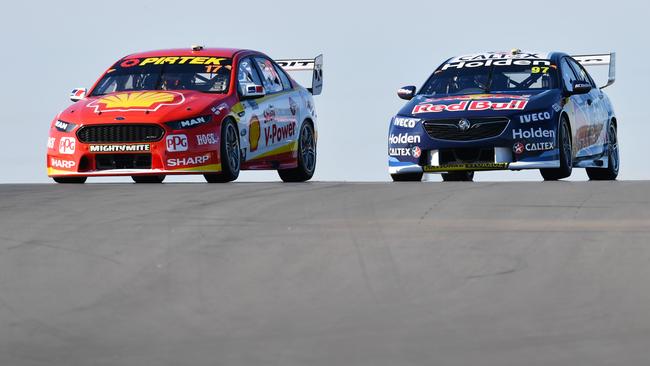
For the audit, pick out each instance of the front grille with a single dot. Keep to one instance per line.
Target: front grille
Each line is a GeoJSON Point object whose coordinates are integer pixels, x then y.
{"type": "Point", "coordinates": [466, 155]}
{"type": "Point", "coordinates": [480, 128]}
{"type": "Point", "coordinates": [122, 161]}
{"type": "Point", "coordinates": [120, 133]}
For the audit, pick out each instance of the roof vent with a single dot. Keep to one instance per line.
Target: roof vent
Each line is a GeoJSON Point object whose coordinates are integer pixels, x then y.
{"type": "Point", "coordinates": [197, 47]}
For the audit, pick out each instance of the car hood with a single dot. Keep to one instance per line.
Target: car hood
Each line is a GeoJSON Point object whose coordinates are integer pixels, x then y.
{"type": "Point", "coordinates": [479, 105]}
{"type": "Point", "coordinates": [140, 106]}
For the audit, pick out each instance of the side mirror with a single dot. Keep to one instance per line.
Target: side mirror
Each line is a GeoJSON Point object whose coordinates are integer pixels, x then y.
{"type": "Point", "coordinates": [78, 94]}
{"type": "Point", "coordinates": [252, 91]}
{"type": "Point", "coordinates": [407, 92]}
{"type": "Point", "coordinates": [580, 87]}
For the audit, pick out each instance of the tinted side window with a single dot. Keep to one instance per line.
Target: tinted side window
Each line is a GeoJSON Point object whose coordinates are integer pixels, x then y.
{"type": "Point", "coordinates": [283, 77]}
{"type": "Point", "coordinates": [568, 76]}
{"type": "Point", "coordinates": [270, 77]}
{"type": "Point", "coordinates": [247, 73]}
{"type": "Point", "coordinates": [583, 75]}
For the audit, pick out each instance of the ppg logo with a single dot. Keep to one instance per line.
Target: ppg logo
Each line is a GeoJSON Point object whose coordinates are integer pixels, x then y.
{"type": "Point", "coordinates": [67, 145]}
{"type": "Point", "coordinates": [176, 143]}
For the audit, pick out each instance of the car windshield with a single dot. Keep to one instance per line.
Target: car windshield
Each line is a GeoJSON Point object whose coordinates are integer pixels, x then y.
{"type": "Point", "coordinates": [205, 74]}
{"type": "Point", "coordinates": [450, 79]}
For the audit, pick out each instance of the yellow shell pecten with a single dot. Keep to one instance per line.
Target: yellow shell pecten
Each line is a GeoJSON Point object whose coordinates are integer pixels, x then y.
{"type": "Point", "coordinates": [136, 99]}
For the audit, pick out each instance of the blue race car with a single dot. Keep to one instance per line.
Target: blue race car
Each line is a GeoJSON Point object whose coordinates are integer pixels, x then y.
{"type": "Point", "coordinates": [506, 110]}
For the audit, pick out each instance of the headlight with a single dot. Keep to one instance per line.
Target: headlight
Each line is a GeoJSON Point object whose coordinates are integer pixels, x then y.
{"type": "Point", "coordinates": [405, 122]}
{"type": "Point", "coordinates": [64, 126]}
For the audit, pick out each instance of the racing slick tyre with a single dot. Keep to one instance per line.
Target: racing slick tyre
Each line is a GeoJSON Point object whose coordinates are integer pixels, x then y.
{"type": "Point", "coordinates": [148, 178]}
{"type": "Point", "coordinates": [306, 157]}
{"type": "Point", "coordinates": [566, 155]}
{"type": "Point", "coordinates": [230, 155]}
{"type": "Point", "coordinates": [458, 177]}
{"type": "Point", "coordinates": [70, 180]}
{"type": "Point", "coordinates": [611, 172]}
{"type": "Point", "coordinates": [407, 177]}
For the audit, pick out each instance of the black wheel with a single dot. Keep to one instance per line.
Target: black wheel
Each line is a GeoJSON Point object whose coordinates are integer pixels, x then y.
{"type": "Point", "coordinates": [611, 172]}
{"type": "Point", "coordinates": [566, 154]}
{"type": "Point", "coordinates": [70, 180]}
{"type": "Point", "coordinates": [407, 177]}
{"type": "Point", "coordinates": [306, 157]}
{"type": "Point", "coordinates": [230, 158]}
{"type": "Point", "coordinates": [465, 176]}
{"type": "Point", "coordinates": [148, 178]}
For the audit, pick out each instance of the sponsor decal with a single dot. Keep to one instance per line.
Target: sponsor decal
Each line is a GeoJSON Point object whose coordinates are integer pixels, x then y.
{"type": "Point", "coordinates": [498, 56]}
{"type": "Point", "coordinates": [64, 126]}
{"type": "Point", "coordinates": [50, 143]}
{"type": "Point", "coordinates": [219, 109]}
{"type": "Point", "coordinates": [67, 145]}
{"type": "Point", "coordinates": [189, 123]}
{"type": "Point", "coordinates": [479, 96]}
{"type": "Point", "coordinates": [520, 148]}
{"type": "Point", "coordinates": [269, 114]}
{"type": "Point", "coordinates": [415, 151]}
{"type": "Point", "coordinates": [557, 107]}
{"type": "Point", "coordinates": [119, 148]}
{"type": "Point", "coordinates": [254, 135]}
{"type": "Point", "coordinates": [293, 106]}
{"type": "Point", "coordinates": [405, 122]}
{"type": "Point", "coordinates": [274, 133]}
{"type": "Point", "coordinates": [174, 60]}
{"type": "Point", "coordinates": [78, 93]}
{"type": "Point", "coordinates": [404, 138]}
{"type": "Point", "coordinates": [188, 161]}
{"type": "Point", "coordinates": [148, 101]}
{"type": "Point", "coordinates": [61, 163]}
{"type": "Point", "coordinates": [475, 105]}
{"type": "Point", "coordinates": [467, 166]}
{"type": "Point", "coordinates": [532, 133]}
{"type": "Point", "coordinates": [176, 143]}
{"type": "Point", "coordinates": [501, 62]}
{"type": "Point", "coordinates": [207, 139]}
{"type": "Point", "coordinates": [535, 117]}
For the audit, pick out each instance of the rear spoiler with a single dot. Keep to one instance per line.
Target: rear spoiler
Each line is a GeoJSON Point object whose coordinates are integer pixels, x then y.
{"type": "Point", "coordinates": [606, 59]}
{"type": "Point", "coordinates": [315, 65]}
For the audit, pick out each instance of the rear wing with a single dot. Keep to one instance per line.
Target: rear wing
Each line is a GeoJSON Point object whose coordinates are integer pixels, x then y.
{"type": "Point", "coordinates": [605, 59]}
{"type": "Point", "coordinates": [315, 66]}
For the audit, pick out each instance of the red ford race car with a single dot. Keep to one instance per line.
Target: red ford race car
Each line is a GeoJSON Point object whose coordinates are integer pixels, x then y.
{"type": "Point", "coordinates": [189, 111]}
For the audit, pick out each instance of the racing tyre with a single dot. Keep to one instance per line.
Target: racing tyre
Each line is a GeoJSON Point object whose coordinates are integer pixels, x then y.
{"type": "Point", "coordinates": [566, 155]}
{"type": "Point", "coordinates": [306, 157]}
{"type": "Point", "coordinates": [458, 177]}
{"type": "Point", "coordinates": [407, 177]}
{"type": "Point", "coordinates": [148, 178]}
{"type": "Point", "coordinates": [70, 180]}
{"type": "Point", "coordinates": [230, 158]}
{"type": "Point", "coordinates": [611, 172]}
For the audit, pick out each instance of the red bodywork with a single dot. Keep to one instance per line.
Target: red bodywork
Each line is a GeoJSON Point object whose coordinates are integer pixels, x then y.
{"type": "Point", "coordinates": [68, 156]}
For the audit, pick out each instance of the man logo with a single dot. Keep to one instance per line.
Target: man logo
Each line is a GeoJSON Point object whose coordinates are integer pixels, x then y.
{"type": "Point", "coordinates": [464, 124]}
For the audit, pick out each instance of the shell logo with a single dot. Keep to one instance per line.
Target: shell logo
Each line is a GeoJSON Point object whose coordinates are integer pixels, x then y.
{"type": "Point", "coordinates": [136, 101]}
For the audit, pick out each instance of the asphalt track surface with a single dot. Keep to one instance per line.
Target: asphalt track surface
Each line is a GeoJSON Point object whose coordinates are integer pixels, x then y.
{"type": "Point", "coordinates": [325, 274]}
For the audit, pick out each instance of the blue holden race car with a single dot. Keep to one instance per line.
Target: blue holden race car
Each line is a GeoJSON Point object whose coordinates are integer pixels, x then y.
{"type": "Point", "coordinates": [506, 110]}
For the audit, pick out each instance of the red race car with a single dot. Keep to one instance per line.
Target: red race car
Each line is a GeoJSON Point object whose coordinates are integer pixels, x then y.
{"type": "Point", "coordinates": [189, 111]}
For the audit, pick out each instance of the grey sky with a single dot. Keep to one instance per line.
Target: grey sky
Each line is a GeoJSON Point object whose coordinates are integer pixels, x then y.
{"type": "Point", "coordinates": [370, 50]}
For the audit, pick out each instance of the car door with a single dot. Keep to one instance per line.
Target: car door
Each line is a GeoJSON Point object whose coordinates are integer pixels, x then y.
{"type": "Point", "coordinates": [596, 114]}
{"type": "Point", "coordinates": [279, 122]}
{"type": "Point", "coordinates": [576, 108]}
{"type": "Point", "coordinates": [251, 113]}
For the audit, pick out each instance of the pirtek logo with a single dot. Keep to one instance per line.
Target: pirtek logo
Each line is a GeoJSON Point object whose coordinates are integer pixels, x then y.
{"type": "Point", "coordinates": [476, 105]}
{"type": "Point", "coordinates": [192, 160]}
{"type": "Point", "coordinates": [404, 139]}
{"type": "Point", "coordinates": [532, 133]}
{"type": "Point", "coordinates": [119, 148]}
